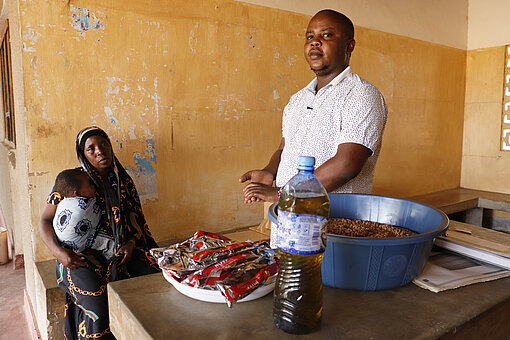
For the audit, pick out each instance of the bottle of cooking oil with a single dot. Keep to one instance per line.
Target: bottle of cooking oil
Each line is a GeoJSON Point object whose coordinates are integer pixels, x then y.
{"type": "Point", "coordinates": [303, 209]}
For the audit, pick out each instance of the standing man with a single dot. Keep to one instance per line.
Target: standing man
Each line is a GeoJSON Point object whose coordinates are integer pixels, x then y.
{"type": "Point", "coordinates": [338, 118]}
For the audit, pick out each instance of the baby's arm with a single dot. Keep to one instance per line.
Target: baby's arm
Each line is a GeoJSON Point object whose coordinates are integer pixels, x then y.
{"type": "Point", "coordinates": [65, 256]}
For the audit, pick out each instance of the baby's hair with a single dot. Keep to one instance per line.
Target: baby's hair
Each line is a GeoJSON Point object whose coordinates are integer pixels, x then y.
{"type": "Point", "coordinates": [68, 181]}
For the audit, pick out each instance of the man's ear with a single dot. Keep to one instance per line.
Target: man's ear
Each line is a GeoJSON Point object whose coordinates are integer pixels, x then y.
{"type": "Point", "coordinates": [350, 45]}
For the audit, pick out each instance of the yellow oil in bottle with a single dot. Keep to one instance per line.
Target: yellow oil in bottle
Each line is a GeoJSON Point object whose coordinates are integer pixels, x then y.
{"type": "Point", "coordinates": [297, 305]}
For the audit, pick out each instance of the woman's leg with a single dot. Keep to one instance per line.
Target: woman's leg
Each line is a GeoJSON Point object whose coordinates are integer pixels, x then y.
{"type": "Point", "coordinates": [86, 303]}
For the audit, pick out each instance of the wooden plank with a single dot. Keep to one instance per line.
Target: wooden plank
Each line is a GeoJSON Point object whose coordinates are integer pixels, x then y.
{"type": "Point", "coordinates": [450, 201]}
{"type": "Point", "coordinates": [495, 241]}
{"type": "Point", "coordinates": [461, 199]}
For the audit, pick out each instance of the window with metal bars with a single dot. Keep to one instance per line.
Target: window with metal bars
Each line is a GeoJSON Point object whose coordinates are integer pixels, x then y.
{"type": "Point", "coordinates": [6, 79]}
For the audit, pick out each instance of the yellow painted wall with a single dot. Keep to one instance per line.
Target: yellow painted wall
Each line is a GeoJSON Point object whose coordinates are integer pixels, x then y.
{"type": "Point", "coordinates": [423, 84]}
{"type": "Point", "coordinates": [192, 93]}
{"type": "Point", "coordinates": [484, 166]}
{"type": "Point", "coordinates": [442, 22]}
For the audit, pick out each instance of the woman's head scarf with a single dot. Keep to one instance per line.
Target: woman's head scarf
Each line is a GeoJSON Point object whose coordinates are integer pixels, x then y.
{"type": "Point", "coordinates": [122, 204]}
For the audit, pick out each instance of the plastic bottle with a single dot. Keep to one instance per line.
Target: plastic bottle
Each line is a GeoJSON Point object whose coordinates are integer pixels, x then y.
{"type": "Point", "coordinates": [303, 209]}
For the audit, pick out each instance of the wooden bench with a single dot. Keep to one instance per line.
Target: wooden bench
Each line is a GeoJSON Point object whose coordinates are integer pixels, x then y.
{"type": "Point", "coordinates": [49, 307]}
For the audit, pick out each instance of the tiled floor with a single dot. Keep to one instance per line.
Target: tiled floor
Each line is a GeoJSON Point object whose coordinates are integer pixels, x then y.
{"type": "Point", "coordinates": [13, 323]}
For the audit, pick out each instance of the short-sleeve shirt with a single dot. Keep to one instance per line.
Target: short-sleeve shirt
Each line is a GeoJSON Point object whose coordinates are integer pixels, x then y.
{"type": "Point", "coordinates": [347, 110]}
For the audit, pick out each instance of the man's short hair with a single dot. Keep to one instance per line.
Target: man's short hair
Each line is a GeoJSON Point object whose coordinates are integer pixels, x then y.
{"type": "Point", "coordinates": [68, 181]}
{"type": "Point", "coordinates": [343, 20]}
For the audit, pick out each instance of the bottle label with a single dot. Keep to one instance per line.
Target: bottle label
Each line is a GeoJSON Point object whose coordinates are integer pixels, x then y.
{"type": "Point", "coordinates": [301, 234]}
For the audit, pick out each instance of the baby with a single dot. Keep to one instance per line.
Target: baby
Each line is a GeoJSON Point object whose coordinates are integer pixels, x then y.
{"type": "Point", "coordinates": [77, 218]}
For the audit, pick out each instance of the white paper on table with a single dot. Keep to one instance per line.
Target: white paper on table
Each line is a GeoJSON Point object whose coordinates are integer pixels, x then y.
{"type": "Point", "coordinates": [445, 270]}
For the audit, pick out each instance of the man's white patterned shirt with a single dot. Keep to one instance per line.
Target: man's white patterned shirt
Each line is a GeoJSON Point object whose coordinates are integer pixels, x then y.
{"type": "Point", "coordinates": [347, 110]}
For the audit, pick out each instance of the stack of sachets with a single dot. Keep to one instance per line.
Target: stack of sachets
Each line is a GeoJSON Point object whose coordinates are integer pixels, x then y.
{"type": "Point", "coordinates": [214, 262]}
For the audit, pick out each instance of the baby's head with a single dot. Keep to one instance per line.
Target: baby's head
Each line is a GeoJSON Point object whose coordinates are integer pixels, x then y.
{"type": "Point", "coordinates": [74, 182]}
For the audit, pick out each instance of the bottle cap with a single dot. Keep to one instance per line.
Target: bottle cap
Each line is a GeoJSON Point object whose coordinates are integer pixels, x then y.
{"type": "Point", "coordinates": [306, 163]}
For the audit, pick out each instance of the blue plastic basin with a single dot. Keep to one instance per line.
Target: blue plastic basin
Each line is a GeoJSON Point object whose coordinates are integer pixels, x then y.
{"type": "Point", "coordinates": [362, 263]}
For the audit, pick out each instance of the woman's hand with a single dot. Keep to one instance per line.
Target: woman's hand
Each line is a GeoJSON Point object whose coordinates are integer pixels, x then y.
{"type": "Point", "coordinates": [65, 256]}
{"type": "Point", "coordinates": [70, 259]}
{"type": "Point", "coordinates": [256, 192]}
{"type": "Point", "coordinates": [127, 251]}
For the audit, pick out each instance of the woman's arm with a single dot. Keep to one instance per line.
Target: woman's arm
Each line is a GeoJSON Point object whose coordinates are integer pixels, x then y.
{"type": "Point", "coordinates": [65, 256]}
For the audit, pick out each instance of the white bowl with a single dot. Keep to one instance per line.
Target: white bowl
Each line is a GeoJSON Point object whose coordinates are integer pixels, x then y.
{"type": "Point", "coordinates": [214, 295]}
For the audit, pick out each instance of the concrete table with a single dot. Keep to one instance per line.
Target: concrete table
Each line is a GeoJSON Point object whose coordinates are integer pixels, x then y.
{"type": "Point", "coordinates": [150, 308]}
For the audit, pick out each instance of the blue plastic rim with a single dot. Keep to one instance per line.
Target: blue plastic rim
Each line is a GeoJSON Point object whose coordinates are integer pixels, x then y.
{"type": "Point", "coordinates": [374, 264]}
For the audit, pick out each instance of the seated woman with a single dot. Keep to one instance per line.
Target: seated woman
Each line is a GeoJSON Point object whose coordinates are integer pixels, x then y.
{"type": "Point", "coordinates": [84, 275]}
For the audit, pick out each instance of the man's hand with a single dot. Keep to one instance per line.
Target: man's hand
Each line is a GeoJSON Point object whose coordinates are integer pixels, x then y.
{"type": "Point", "coordinates": [258, 176]}
{"type": "Point", "coordinates": [261, 188]}
{"type": "Point", "coordinates": [70, 259]}
{"type": "Point", "coordinates": [256, 192]}
{"type": "Point", "coordinates": [127, 251]}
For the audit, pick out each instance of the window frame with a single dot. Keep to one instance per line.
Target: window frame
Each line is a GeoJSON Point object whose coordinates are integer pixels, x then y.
{"type": "Point", "coordinates": [8, 122]}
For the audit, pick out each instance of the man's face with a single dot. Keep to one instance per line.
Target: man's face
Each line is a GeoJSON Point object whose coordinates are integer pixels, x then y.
{"type": "Point", "coordinates": [327, 50]}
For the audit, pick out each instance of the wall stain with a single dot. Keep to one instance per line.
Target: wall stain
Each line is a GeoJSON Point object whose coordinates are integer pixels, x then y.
{"type": "Point", "coordinates": [38, 173]}
{"type": "Point", "coordinates": [172, 135]}
{"type": "Point", "coordinates": [45, 131]}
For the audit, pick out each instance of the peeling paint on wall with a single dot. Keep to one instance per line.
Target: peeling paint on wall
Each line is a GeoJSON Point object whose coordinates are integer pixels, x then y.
{"type": "Point", "coordinates": [84, 20]}
{"type": "Point", "coordinates": [230, 106]}
{"type": "Point", "coordinates": [192, 41]}
{"type": "Point", "coordinates": [131, 132]}
{"type": "Point", "coordinates": [292, 60]}
{"type": "Point", "coordinates": [144, 173]}
{"type": "Point", "coordinates": [30, 37]}
{"type": "Point", "coordinates": [109, 114]}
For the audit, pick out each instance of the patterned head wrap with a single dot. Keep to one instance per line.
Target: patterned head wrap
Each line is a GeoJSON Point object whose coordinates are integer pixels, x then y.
{"type": "Point", "coordinates": [84, 134]}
